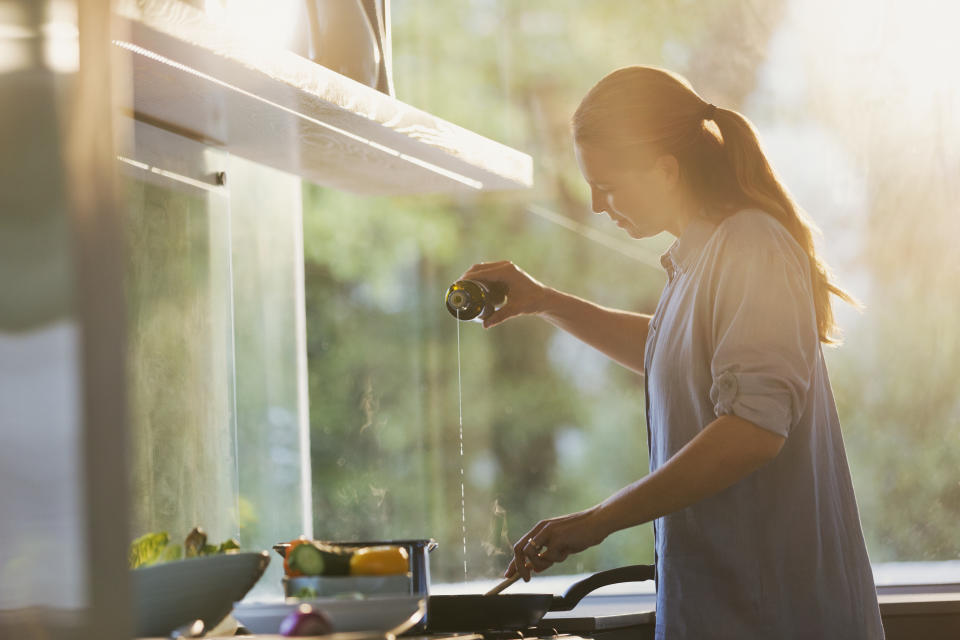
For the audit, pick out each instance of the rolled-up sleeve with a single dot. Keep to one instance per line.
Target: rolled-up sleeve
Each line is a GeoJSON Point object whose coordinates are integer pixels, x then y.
{"type": "Point", "coordinates": [764, 329]}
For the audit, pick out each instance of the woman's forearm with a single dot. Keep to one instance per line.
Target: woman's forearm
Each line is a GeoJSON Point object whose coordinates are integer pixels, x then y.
{"type": "Point", "coordinates": [621, 335]}
{"type": "Point", "coordinates": [727, 450]}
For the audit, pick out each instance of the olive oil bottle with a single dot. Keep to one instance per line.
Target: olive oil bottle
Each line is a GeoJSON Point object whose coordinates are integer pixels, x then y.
{"type": "Point", "coordinates": [475, 300]}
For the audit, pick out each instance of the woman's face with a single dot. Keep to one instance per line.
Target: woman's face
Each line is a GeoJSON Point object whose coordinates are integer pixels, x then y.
{"type": "Point", "coordinates": [635, 194]}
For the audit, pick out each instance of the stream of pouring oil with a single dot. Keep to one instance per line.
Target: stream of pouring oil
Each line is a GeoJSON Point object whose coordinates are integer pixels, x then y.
{"type": "Point", "coordinates": [463, 498]}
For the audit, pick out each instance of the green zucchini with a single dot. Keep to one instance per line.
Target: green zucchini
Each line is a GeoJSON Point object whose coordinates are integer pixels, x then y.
{"type": "Point", "coordinates": [315, 559]}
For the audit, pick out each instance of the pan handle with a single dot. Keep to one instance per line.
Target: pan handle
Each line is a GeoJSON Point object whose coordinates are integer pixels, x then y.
{"type": "Point", "coordinates": [576, 592]}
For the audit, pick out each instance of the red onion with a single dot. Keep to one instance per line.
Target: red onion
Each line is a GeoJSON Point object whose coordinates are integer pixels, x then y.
{"type": "Point", "coordinates": [306, 621]}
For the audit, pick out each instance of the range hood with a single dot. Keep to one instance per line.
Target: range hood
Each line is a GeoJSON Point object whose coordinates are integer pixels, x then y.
{"type": "Point", "coordinates": [195, 77]}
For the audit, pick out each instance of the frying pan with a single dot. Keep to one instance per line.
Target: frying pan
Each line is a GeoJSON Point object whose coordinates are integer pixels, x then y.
{"type": "Point", "coordinates": [515, 611]}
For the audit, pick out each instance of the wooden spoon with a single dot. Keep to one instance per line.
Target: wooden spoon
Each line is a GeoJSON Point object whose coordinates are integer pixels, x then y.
{"type": "Point", "coordinates": [507, 582]}
{"type": "Point", "coordinates": [503, 585]}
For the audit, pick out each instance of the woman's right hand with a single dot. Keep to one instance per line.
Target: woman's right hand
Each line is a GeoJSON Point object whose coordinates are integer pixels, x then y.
{"type": "Point", "coordinates": [525, 295]}
{"type": "Point", "coordinates": [552, 540]}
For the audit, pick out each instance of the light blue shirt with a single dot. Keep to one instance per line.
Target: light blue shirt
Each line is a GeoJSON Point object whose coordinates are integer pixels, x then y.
{"type": "Point", "coordinates": [780, 554]}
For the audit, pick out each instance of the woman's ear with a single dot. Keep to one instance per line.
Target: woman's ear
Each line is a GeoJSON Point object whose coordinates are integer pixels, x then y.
{"type": "Point", "coordinates": [669, 170]}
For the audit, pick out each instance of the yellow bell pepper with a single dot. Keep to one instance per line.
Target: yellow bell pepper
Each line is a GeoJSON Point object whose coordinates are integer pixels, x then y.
{"type": "Point", "coordinates": [379, 561]}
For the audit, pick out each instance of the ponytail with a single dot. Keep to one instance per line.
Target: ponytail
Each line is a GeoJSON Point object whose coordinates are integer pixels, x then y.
{"type": "Point", "coordinates": [719, 153]}
{"type": "Point", "coordinates": [761, 186]}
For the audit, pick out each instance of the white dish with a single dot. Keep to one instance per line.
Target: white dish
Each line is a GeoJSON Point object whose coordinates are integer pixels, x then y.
{"type": "Point", "coordinates": [374, 614]}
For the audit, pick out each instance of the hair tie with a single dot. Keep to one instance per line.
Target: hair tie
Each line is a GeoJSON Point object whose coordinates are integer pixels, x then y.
{"type": "Point", "coordinates": [709, 112]}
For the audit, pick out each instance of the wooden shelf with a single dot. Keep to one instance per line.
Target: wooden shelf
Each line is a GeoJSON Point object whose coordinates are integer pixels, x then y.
{"type": "Point", "coordinates": [274, 107]}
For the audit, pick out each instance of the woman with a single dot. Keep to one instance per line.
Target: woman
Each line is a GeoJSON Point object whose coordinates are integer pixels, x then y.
{"type": "Point", "coordinates": [756, 526]}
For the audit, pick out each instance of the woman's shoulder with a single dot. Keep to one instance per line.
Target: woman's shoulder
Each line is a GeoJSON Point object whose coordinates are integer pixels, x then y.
{"type": "Point", "coordinates": [751, 225]}
{"type": "Point", "coordinates": [752, 229]}
{"type": "Point", "coordinates": [754, 232]}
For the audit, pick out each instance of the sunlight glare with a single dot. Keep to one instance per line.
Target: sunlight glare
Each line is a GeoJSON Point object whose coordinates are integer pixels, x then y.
{"type": "Point", "coordinates": [269, 25]}
{"type": "Point", "coordinates": [899, 55]}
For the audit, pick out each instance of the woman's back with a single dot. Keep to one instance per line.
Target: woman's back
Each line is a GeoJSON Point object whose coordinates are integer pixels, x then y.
{"type": "Point", "coordinates": [780, 554]}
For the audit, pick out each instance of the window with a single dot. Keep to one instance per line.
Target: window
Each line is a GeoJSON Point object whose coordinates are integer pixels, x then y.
{"type": "Point", "coordinates": [854, 105]}
{"type": "Point", "coordinates": [548, 425]}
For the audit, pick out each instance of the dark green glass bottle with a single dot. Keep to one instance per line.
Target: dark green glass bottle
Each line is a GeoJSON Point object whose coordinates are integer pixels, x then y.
{"type": "Point", "coordinates": [474, 300]}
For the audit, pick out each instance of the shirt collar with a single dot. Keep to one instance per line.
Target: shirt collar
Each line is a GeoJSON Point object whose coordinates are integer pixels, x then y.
{"type": "Point", "coordinates": [678, 257]}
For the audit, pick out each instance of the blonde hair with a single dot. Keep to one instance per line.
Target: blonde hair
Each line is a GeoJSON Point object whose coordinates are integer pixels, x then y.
{"type": "Point", "coordinates": [720, 157]}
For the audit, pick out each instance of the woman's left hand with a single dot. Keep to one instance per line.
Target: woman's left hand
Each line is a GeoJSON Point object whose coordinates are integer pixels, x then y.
{"type": "Point", "coordinates": [552, 540]}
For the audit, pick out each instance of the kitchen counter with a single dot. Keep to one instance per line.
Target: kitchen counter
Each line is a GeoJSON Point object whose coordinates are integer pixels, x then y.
{"type": "Point", "coordinates": [355, 635]}
{"type": "Point", "coordinates": [931, 612]}
{"type": "Point", "coordinates": [599, 613]}
{"type": "Point", "coordinates": [928, 612]}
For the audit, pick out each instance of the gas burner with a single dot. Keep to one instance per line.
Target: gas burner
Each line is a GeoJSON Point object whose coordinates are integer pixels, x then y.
{"type": "Point", "coordinates": [540, 633]}
{"type": "Point", "coordinates": [495, 634]}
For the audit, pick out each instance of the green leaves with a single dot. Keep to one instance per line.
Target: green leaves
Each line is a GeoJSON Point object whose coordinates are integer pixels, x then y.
{"type": "Point", "coordinates": [155, 548]}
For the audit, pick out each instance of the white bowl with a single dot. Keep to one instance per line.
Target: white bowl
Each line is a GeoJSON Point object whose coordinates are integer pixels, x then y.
{"type": "Point", "coordinates": [374, 614]}
{"type": "Point", "coordinates": [169, 595]}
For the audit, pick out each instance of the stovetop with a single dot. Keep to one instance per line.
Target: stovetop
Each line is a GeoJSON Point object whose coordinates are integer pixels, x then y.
{"type": "Point", "coordinates": [599, 618]}
{"type": "Point", "coordinates": [501, 634]}
{"type": "Point", "coordinates": [607, 617]}
{"type": "Point", "coordinates": [534, 632]}
{"type": "Point", "coordinates": [540, 633]}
